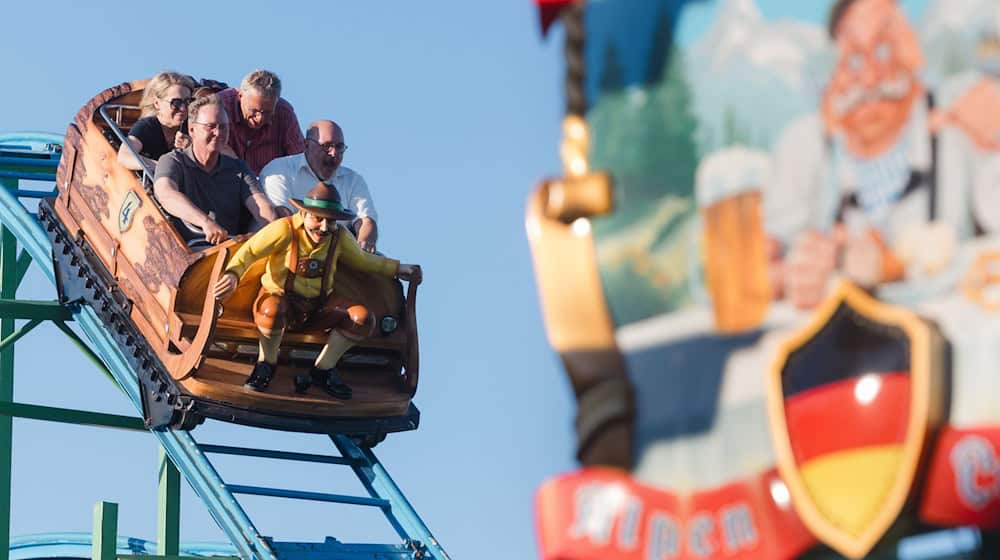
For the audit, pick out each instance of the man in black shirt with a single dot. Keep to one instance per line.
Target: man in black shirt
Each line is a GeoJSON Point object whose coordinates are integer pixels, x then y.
{"type": "Point", "coordinates": [206, 189]}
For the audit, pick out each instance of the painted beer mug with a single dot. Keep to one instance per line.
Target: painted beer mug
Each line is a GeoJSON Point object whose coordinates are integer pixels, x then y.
{"type": "Point", "coordinates": [734, 246]}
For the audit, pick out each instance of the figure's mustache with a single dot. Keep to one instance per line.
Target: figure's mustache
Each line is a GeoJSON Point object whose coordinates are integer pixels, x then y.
{"type": "Point", "coordinates": [890, 89]}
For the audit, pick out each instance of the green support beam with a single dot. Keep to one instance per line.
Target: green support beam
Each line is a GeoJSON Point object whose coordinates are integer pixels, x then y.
{"type": "Point", "coordinates": [23, 262]}
{"type": "Point", "coordinates": [8, 291]}
{"type": "Point", "coordinates": [29, 170]}
{"type": "Point", "coordinates": [168, 521]}
{"type": "Point", "coordinates": [87, 352]}
{"type": "Point", "coordinates": [29, 309]}
{"type": "Point", "coordinates": [105, 539]}
{"type": "Point", "coordinates": [70, 416]}
{"type": "Point", "coordinates": [16, 335]}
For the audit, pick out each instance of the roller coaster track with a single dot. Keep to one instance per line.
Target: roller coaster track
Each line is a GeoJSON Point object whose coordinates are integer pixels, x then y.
{"type": "Point", "coordinates": [79, 545]}
{"type": "Point", "coordinates": [190, 457]}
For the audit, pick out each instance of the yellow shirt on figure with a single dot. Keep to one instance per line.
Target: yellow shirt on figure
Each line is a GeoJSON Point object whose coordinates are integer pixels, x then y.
{"type": "Point", "coordinates": [273, 242]}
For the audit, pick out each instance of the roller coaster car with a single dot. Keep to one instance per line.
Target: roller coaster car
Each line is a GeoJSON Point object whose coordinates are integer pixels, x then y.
{"type": "Point", "coordinates": [115, 250]}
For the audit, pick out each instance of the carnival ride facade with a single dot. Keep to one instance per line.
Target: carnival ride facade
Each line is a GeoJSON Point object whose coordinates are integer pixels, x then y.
{"type": "Point", "coordinates": [711, 162]}
{"type": "Point", "coordinates": [139, 298]}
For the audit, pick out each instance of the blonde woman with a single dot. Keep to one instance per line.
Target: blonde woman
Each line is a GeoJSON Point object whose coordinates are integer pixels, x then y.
{"type": "Point", "coordinates": [164, 112]}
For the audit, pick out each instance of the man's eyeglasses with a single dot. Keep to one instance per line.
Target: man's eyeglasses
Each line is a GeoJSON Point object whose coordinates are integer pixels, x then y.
{"type": "Point", "coordinates": [213, 126]}
{"type": "Point", "coordinates": [179, 103]}
{"type": "Point", "coordinates": [339, 147]}
{"type": "Point", "coordinates": [254, 113]}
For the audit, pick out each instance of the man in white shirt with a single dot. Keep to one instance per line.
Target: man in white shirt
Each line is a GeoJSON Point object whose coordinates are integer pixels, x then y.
{"type": "Point", "coordinates": [293, 176]}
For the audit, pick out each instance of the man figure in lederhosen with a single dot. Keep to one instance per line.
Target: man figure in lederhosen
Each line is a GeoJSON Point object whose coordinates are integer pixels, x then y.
{"type": "Point", "coordinates": [888, 176]}
{"type": "Point", "coordinates": [303, 251]}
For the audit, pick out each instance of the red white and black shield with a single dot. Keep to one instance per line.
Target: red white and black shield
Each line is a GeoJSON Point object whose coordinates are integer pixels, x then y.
{"type": "Point", "coordinates": [852, 399]}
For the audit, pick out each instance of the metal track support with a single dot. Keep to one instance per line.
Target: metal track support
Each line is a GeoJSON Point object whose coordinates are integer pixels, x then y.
{"type": "Point", "coordinates": [8, 288]}
{"type": "Point", "coordinates": [105, 531]}
{"type": "Point", "coordinates": [380, 485]}
{"type": "Point", "coordinates": [180, 453]}
{"type": "Point", "coordinates": [168, 519]}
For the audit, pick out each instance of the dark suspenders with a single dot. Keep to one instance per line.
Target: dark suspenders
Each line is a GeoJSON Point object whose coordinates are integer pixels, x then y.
{"type": "Point", "coordinates": [932, 173]}
{"type": "Point", "coordinates": [917, 178]}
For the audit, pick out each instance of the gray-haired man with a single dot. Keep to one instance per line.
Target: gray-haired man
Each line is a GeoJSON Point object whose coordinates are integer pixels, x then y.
{"type": "Point", "coordinates": [263, 126]}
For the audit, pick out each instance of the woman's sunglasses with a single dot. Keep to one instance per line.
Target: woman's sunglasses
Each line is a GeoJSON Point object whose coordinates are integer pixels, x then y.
{"type": "Point", "coordinates": [178, 103]}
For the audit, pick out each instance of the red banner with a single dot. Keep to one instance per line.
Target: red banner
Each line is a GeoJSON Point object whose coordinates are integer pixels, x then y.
{"type": "Point", "coordinates": [604, 514]}
{"type": "Point", "coordinates": [963, 482]}
{"type": "Point", "coordinates": [549, 10]}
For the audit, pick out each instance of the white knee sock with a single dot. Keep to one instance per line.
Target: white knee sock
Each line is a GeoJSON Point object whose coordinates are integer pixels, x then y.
{"type": "Point", "coordinates": [270, 343]}
{"type": "Point", "coordinates": [334, 349]}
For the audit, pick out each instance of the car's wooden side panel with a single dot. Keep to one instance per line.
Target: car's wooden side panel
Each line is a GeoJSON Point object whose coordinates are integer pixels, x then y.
{"type": "Point", "coordinates": [143, 253]}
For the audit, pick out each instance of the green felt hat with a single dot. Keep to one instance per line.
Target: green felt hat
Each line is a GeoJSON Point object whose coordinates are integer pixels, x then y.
{"type": "Point", "coordinates": [324, 201]}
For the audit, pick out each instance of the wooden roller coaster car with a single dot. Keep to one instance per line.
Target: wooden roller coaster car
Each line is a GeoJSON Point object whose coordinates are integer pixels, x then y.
{"type": "Point", "coordinates": [115, 249]}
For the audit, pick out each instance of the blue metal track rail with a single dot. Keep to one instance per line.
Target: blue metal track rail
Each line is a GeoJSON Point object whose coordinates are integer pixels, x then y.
{"type": "Point", "coordinates": [30, 156]}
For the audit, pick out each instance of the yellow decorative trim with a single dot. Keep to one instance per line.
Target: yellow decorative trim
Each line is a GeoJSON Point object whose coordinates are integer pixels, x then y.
{"type": "Point", "coordinates": [565, 261]}
{"type": "Point", "coordinates": [924, 413]}
{"type": "Point", "coordinates": [576, 141]}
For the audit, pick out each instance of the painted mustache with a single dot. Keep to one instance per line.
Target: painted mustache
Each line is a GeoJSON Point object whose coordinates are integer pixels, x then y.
{"type": "Point", "coordinates": [891, 89]}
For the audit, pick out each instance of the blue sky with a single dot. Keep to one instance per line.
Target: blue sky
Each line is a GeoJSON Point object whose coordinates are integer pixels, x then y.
{"type": "Point", "coordinates": [452, 113]}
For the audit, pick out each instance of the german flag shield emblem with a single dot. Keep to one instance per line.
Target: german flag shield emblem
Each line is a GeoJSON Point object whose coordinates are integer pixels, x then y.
{"type": "Point", "coordinates": [852, 399]}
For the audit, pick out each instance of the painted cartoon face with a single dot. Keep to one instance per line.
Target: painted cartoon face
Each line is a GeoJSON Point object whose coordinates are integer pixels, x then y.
{"type": "Point", "coordinates": [317, 228]}
{"type": "Point", "coordinates": [875, 83]}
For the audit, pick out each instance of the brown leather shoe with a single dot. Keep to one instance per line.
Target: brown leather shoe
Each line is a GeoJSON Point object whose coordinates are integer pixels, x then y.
{"type": "Point", "coordinates": [331, 383]}
{"type": "Point", "coordinates": [260, 377]}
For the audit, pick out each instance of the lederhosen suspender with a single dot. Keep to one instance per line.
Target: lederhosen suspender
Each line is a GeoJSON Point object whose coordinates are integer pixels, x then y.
{"type": "Point", "coordinates": [931, 179]}
{"type": "Point", "coordinates": [293, 267]}
{"type": "Point", "coordinates": [917, 178]}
